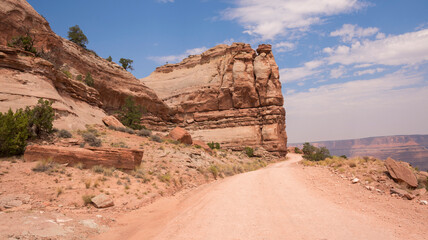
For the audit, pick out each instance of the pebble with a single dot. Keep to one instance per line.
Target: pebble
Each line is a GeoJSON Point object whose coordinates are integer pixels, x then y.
{"type": "Point", "coordinates": [424, 202]}
{"type": "Point", "coordinates": [355, 180]}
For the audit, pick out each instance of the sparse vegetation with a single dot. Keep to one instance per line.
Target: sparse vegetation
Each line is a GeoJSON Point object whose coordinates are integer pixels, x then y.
{"type": "Point", "coordinates": [119, 145]}
{"type": "Point", "coordinates": [144, 133]}
{"type": "Point", "coordinates": [214, 145]}
{"type": "Point", "coordinates": [156, 138]}
{"type": "Point", "coordinates": [68, 74]}
{"type": "Point", "coordinates": [130, 114]}
{"type": "Point", "coordinates": [91, 139]}
{"type": "Point", "coordinates": [165, 177]}
{"type": "Point", "coordinates": [64, 134]}
{"type": "Point", "coordinates": [76, 35]}
{"type": "Point", "coordinates": [214, 171]}
{"type": "Point", "coordinates": [313, 153]}
{"type": "Point", "coordinates": [89, 80]}
{"type": "Point", "coordinates": [79, 166]}
{"type": "Point", "coordinates": [110, 59]}
{"type": "Point", "coordinates": [297, 150]}
{"type": "Point", "coordinates": [249, 151]}
{"type": "Point", "coordinates": [25, 42]}
{"type": "Point", "coordinates": [126, 63]}
{"type": "Point", "coordinates": [87, 199]}
{"type": "Point", "coordinates": [44, 166]}
{"type": "Point", "coordinates": [79, 78]}
{"type": "Point", "coordinates": [98, 169]}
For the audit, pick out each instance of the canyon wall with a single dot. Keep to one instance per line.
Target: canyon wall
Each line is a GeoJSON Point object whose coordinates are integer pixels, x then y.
{"type": "Point", "coordinates": [228, 94]}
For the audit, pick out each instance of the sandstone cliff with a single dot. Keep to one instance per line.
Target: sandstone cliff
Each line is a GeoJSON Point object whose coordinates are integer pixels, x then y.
{"type": "Point", "coordinates": [26, 78]}
{"type": "Point", "coordinates": [228, 94]}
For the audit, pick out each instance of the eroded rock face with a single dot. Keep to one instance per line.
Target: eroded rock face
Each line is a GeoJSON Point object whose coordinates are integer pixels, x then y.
{"type": "Point", "coordinates": [109, 157]}
{"type": "Point", "coordinates": [112, 84]}
{"type": "Point", "coordinates": [228, 94]}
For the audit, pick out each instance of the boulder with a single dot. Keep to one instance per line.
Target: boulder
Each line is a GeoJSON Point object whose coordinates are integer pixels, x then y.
{"type": "Point", "coordinates": [402, 193]}
{"type": "Point", "coordinates": [420, 192]}
{"type": "Point", "coordinates": [102, 201]}
{"type": "Point", "coordinates": [112, 121]}
{"type": "Point", "coordinates": [109, 157]}
{"type": "Point", "coordinates": [181, 135]}
{"type": "Point", "coordinates": [401, 173]}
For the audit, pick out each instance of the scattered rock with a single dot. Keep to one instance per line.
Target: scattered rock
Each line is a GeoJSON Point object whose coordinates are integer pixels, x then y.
{"type": "Point", "coordinates": [400, 172]}
{"type": "Point", "coordinates": [355, 180]}
{"type": "Point", "coordinates": [402, 193]}
{"type": "Point", "coordinates": [102, 201]}
{"type": "Point", "coordinates": [181, 135]}
{"type": "Point", "coordinates": [423, 202]}
{"type": "Point", "coordinates": [112, 121]}
{"type": "Point", "coordinates": [12, 201]}
{"type": "Point", "coordinates": [370, 188]}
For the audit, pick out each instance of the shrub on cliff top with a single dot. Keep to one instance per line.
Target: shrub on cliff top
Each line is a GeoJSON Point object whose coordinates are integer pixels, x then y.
{"type": "Point", "coordinates": [76, 35]}
{"type": "Point", "coordinates": [23, 42]}
{"type": "Point", "coordinates": [313, 153]}
{"type": "Point", "coordinates": [130, 114]}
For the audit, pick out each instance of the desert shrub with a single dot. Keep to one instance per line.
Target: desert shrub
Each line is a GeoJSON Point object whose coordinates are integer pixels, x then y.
{"type": "Point", "coordinates": [25, 43]}
{"type": "Point", "coordinates": [144, 133]}
{"type": "Point", "coordinates": [119, 145]}
{"type": "Point", "coordinates": [108, 172]}
{"type": "Point", "coordinates": [17, 127]}
{"type": "Point", "coordinates": [89, 80]}
{"type": "Point", "coordinates": [156, 138]}
{"type": "Point", "coordinates": [76, 35]}
{"type": "Point", "coordinates": [87, 199]}
{"type": "Point", "coordinates": [44, 166]}
{"type": "Point", "coordinates": [79, 166]}
{"type": "Point", "coordinates": [68, 74]}
{"type": "Point", "coordinates": [79, 77]}
{"type": "Point", "coordinates": [91, 139]}
{"type": "Point", "coordinates": [112, 128]}
{"type": "Point", "coordinates": [213, 169]}
{"type": "Point", "coordinates": [249, 151]}
{"type": "Point", "coordinates": [130, 114]}
{"type": "Point", "coordinates": [165, 177]}
{"type": "Point", "coordinates": [214, 145]}
{"type": "Point", "coordinates": [344, 156]}
{"type": "Point", "coordinates": [297, 150]}
{"type": "Point", "coordinates": [109, 59]}
{"type": "Point", "coordinates": [313, 153]}
{"type": "Point", "coordinates": [64, 134]}
{"type": "Point", "coordinates": [130, 131]}
{"type": "Point", "coordinates": [126, 63]}
{"type": "Point", "coordinates": [98, 169]}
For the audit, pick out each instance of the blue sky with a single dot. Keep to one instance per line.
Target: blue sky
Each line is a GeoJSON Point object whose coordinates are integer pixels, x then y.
{"type": "Point", "coordinates": [349, 68]}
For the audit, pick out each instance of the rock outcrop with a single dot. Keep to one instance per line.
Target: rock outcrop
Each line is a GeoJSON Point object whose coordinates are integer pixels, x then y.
{"type": "Point", "coordinates": [25, 82]}
{"type": "Point", "coordinates": [400, 172]}
{"type": "Point", "coordinates": [120, 158]}
{"type": "Point", "coordinates": [112, 121]}
{"type": "Point", "coordinates": [181, 135]}
{"type": "Point", "coordinates": [228, 94]}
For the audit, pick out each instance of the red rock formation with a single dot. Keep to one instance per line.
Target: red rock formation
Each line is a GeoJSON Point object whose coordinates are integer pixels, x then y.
{"type": "Point", "coordinates": [112, 121]}
{"type": "Point", "coordinates": [109, 157]}
{"type": "Point", "coordinates": [181, 135]}
{"type": "Point", "coordinates": [228, 94]}
{"type": "Point", "coordinates": [112, 84]}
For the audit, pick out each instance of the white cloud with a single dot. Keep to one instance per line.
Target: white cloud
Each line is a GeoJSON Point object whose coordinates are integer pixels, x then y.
{"type": "Point", "coordinates": [350, 32]}
{"type": "Point", "coordinates": [165, 1]}
{"type": "Point", "coordinates": [270, 18]}
{"type": "Point", "coordinates": [337, 72]}
{"type": "Point", "coordinates": [177, 58]}
{"type": "Point", "coordinates": [284, 46]}
{"type": "Point", "coordinates": [300, 73]}
{"type": "Point", "coordinates": [389, 105]}
{"type": "Point", "coordinates": [369, 71]}
{"type": "Point", "coordinates": [408, 48]}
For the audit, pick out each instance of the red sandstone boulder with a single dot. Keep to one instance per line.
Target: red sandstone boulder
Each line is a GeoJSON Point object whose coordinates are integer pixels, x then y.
{"type": "Point", "coordinates": [181, 135]}
{"type": "Point", "coordinates": [102, 201]}
{"type": "Point", "coordinates": [89, 157]}
{"type": "Point", "coordinates": [399, 172]}
{"type": "Point", "coordinates": [112, 121]}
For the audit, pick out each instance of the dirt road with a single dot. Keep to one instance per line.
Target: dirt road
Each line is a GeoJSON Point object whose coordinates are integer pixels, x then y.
{"type": "Point", "coordinates": [270, 203]}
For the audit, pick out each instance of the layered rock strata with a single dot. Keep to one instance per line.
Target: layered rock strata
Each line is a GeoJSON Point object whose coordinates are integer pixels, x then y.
{"type": "Point", "coordinates": [121, 158]}
{"type": "Point", "coordinates": [228, 94]}
{"type": "Point", "coordinates": [112, 84]}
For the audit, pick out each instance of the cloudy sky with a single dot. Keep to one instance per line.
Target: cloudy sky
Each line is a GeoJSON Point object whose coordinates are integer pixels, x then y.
{"type": "Point", "coordinates": [349, 68]}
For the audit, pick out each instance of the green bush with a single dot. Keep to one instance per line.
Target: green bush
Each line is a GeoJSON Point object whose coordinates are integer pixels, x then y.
{"type": "Point", "coordinates": [214, 171]}
{"type": "Point", "coordinates": [214, 145]}
{"type": "Point", "coordinates": [156, 138]}
{"type": "Point", "coordinates": [126, 63]}
{"type": "Point", "coordinates": [109, 59]}
{"type": "Point", "coordinates": [76, 35]}
{"type": "Point", "coordinates": [297, 150]}
{"type": "Point", "coordinates": [144, 133]}
{"type": "Point", "coordinates": [79, 77]}
{"type": "Point", "coordinates": [25, 43]}
{"type": "Point", "coordinates": [16, 128]}
{"type": "Point", "coordinates": [91, 139]}
{"type": "Point", "coordinates": [130, 114]}
{"type": "Point", "coordinates": [68, 74]}
{"type": "Point", "coordinates": [64, 134]}
{"type": "Point", "coordinates": [249, 151]}
{"type": "Point", "coordinates": [89, 80]}
{"type": "Point", "coordinates": [313, 153]}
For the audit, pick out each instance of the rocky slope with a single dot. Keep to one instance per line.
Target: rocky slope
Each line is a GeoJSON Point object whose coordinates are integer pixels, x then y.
{"type": "Point", "coordinates": [228, 94]}
{"type": "Point", "coordinates": [409, 148]}
{"type": "Point", "coordinates": [23, 73]}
